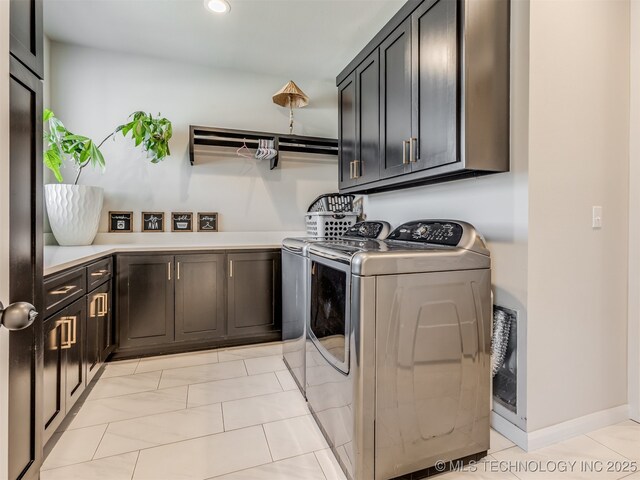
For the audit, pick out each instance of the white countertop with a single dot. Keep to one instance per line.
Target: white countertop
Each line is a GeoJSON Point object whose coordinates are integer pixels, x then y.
{"type": "Point", "coordinates": [58, 258]}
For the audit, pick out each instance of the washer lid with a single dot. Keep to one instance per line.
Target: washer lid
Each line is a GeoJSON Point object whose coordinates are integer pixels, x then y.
{"type": "Point", "coordinates": [412, 250]}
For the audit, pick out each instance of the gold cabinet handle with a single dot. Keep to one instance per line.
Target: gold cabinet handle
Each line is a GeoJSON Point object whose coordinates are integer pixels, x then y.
{"type": "Point", "coordinates": [92, 307]}
{"type": "Point", "coordinates": [169, 271]}
{"type": "Point", "coordinates": [99, 273]}
{"type": "Point", "coordinates": [70, 336]}
{"type": "Point", "coordinates": [413, 150]}
{"type": "Point", "coordinates": [404, 152]}
{"type": "Point", "coordinates": [351, 170]}
{"type": "Point", "coordinates": [104, 304]}
{"type": "Point", "coordinates": [356, 169]}
{"type": "Point", "coordinates": [178, 270]}
{"type": "Point", "coordinates": [230, 268]}
{"type": "Point", "coordinates": [63, 290]}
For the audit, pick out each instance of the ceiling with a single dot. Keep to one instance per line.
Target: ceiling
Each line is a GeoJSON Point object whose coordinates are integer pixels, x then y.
{"type": "Point", "coordinates": [303, 38]}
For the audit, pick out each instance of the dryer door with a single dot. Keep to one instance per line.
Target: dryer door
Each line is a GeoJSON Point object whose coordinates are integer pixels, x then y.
{"type": "Point", "coordinates": [329, 321]}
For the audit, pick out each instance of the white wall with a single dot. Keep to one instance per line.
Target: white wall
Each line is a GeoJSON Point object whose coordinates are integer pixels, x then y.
{"type": "Point", "coordinates": [4, 231]}
{"type": "Point", "coordinates": [497, 205]}
{"type": "Point", "coordinates": [634, 216]}
{"type": "Point", "coordinates": [92, 91]}
{"type": "Point", "coordinates": [578, 158]}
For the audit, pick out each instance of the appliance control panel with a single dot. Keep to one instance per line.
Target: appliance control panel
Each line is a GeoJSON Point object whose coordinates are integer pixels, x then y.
{"type": "Point", "coordinates": [374, 230]}
{"type": "Point", "coordinates": [426, 231]}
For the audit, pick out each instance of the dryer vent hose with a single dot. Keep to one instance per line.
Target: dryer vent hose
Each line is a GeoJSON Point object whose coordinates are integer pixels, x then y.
{"type": "Point", "coordinates": [500, 339]}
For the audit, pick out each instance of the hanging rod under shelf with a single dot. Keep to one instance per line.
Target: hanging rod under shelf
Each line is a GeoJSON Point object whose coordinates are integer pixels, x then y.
{"type": "Point", "coordinates": [225, 137]}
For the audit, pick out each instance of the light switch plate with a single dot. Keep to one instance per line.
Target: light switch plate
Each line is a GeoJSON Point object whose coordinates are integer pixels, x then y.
{"type": "Point", "coordinates": [596, 219]}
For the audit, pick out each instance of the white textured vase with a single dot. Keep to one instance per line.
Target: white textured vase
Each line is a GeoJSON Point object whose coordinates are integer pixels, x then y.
{"type": "Point", "coordinates": [74, 212]}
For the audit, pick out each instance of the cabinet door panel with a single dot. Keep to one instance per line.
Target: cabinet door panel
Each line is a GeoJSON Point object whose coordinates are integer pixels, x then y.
{"type": "Point", "coordinates": [200, 296]}
{"type": "Point", "coordinates": [26, 34]}
{"type": "Point", "coordinates": [435, 83]}
{"type": "Point", "coordinates": [98, 313]}
{"type": "Point", "coordinates": [368, 123]}
{"type": "Point", "coordinates": [92, 349]}
{"type": "Point", "coordinates": [53, 378]}
{"type": "Point", "coordinates": [347, 130]}
{"type": "Point", "coordinates": [75, 379]}
{"type": "Point", "coordinates": [105, 333]}
{"type": "Point", "coordinates": [254, 293]}
{"type": "Point", "coordinates": [395, 86]}
{"type": "Point", "coordinates": [145, 302]}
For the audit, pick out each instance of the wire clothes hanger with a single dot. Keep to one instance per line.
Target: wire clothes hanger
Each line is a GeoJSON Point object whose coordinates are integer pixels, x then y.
{"type": "Point", "coordinates": [244, 151]}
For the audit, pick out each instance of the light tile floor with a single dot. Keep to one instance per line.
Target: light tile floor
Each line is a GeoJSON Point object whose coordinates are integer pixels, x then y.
{"type": "Point", "coordinates": [236, 414]}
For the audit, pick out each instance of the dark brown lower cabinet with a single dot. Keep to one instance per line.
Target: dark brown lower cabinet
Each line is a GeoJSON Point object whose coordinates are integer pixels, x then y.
{"type": "Point", "coordinates": [145, 300]}
{"type": "Point", "coordinates": [99, 336]}
{"type": "Point", "coordinates": [53, 382]}
{"type": "Point", "coordinates": [76, 320]}
{"type": "Point", "coordinates": [253, 299]}
{"type": "Point", "coordinates": [64, 373]}
{"type": "Point", "coordinates": [199, 297]}
{"type": "Point", "coordinates": [172, 303]}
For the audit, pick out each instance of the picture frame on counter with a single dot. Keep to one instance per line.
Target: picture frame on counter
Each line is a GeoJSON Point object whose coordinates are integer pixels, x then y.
{"type": "Point", "coordinates": [182, 222]}
{"type": "Point", "coordinates": [120, 222]}
{"type": "Point", "coordinates": [207, 221]}
{"type": "Point", "coordinates": [153, 222]}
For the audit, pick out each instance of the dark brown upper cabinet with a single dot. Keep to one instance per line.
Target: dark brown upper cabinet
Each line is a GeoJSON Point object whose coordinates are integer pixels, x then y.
{"type": "Point", "coordinates": [395, 99]}
{"type": "Point", "coordinates": [200, 296]}
{"type": "Point", "coordinates": [367, 167]}
{"type": "Point", "coordinates": [443, 96]}
{"type": "Point", "coordinates": [145, 300]}
{"type": "Point", "coordinates": [26, 42]}
{"type": "Point", "coordinates": [254, 300]}
{"type": "Point", "coordinates": [435, 85]}
{"type": "Point", "coordinates": [360, 124]}
{"type": "Point", "coordinates": [347, 130]}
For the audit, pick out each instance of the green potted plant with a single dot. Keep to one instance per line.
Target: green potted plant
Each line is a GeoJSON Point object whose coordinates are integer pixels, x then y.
{"type": "Point", "coordinates": [74, 210]}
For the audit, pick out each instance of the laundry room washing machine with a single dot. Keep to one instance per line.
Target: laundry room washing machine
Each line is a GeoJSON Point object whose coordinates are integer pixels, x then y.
{"type": "Point", "coordinates": [295, 296]}
{"type": "Point", "coordinates": [399, 337]}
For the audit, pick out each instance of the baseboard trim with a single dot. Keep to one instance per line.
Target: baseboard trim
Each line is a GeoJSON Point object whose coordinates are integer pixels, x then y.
{"type": "Point", "coordinates": [562, 431]}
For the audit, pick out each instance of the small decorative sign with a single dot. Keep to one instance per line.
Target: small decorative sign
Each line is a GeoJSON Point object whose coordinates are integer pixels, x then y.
{"type": "Point", "coordinates": [153, 221]}
{"type": "Point", "coordinates": [207, 222]}
{"type": "Point", "coordinates": [120, 221]}
{"type": "Point", "coordinates": [181, 222]}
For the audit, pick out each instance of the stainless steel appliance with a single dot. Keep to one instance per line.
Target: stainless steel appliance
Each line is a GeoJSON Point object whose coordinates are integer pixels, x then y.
{"type": "Point", "coordinates": [295, 296]}
{"type": "Point", "coordinates": [399, 337]}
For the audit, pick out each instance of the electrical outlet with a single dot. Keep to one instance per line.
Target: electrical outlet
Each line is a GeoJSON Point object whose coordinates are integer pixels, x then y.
{"type": "Point", "coordinates": [596, 219]}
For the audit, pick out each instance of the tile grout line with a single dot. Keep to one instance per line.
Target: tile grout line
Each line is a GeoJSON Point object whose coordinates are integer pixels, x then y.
{"type": "Point", "coordinates": [174, 442]}
{"type": "Point", "coordinates": [131, 418]}
{"type": "Point", "coordinates": [279, 382]}
{"type": "Point", "coordinates": [174, 410]}
{"type": "Point", "coordinates": [609, 448]}
{"type": "Point", "coordinates": [101, 438]}
{"type": "Point", "coordinates": [160, 380]}
{"type": "Point", "coordinates": [315, 455]}
{"type": "Point", "coordinates": [257, 466]}
{"type": "Point", "coordinates": [264, 432]}
{"type": "Point", "coordinates": [133, 473]}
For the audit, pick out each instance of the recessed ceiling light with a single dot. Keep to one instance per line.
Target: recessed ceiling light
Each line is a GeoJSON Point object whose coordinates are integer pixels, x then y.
{"type": "Point", "coordinates": [217, 6]}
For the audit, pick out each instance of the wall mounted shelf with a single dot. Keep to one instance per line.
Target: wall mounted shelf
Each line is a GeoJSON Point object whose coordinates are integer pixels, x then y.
{"type": "Point", "coordinates": [224, 137]}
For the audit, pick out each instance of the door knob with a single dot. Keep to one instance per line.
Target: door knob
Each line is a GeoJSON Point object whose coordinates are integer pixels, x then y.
{"type": "Point", "coordinates": [17, 316]}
